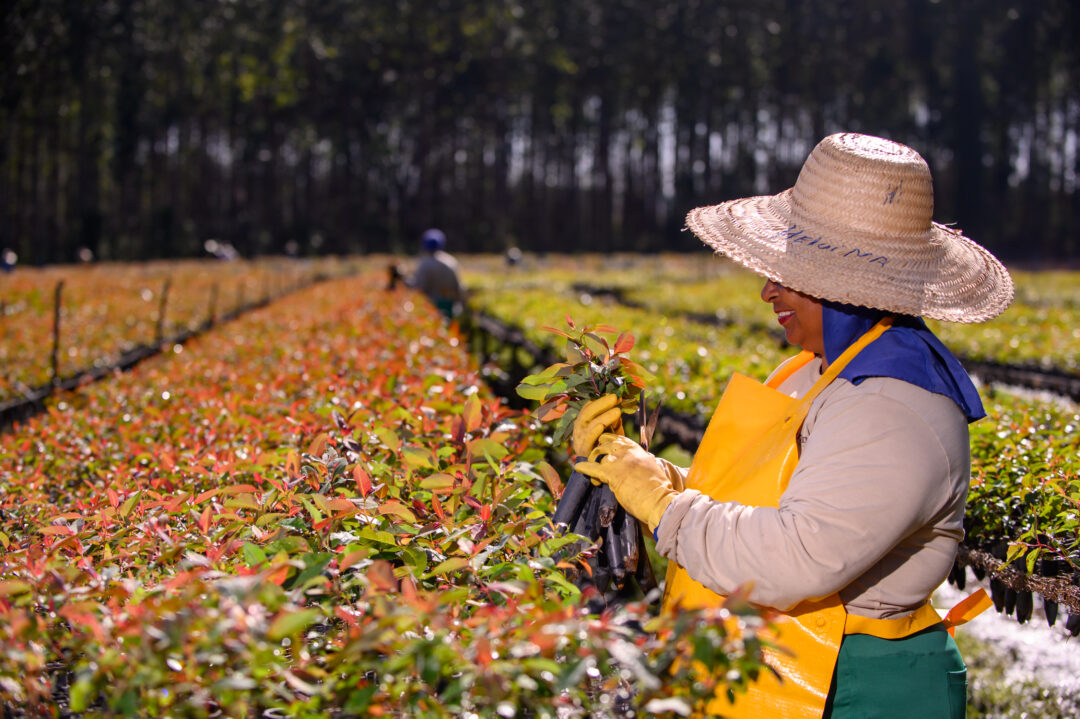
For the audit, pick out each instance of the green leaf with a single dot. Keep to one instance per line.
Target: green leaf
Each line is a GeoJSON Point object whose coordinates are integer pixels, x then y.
{"type": "Point", "coordinates": [450, 565]}
{"type": "Point", "coordinates": [565, 426]}
{"type": "Point", "coordinates": [315, 564]}
{"type": "Point", "coordinates": [360, 700]}
{"type": "Point", "coordinates": [127, 506]}
{"type": "Point", "coordinates": [544, 377]}
{"type": "Point", "coordinates": [597, 345]}
{"type": "Point", "coordinates": [290, 623]}
{"type": "Point", "coordinates": [253, 554]}
{"type": "Point", "coordinates": [486, 446]}
{"type": "Point", "coordinates": [80, 694]}
{"type": "Point", "coordinates": [1032, 557]}
{"type": "Point", "coordinates": [533, 393]}
{"type": "Point", "coordinates": [418, 457]}
{"type": "Point", "coordinates": [377, 535]}
{"type": "Point", "coordinates": [569, 590]}
{"type": "Point", "coordinates": [316, 515]}
{"type": "Point", "coordinates": [388, 437]}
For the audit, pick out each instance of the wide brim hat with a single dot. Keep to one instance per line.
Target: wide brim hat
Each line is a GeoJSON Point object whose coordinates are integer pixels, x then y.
{"type": "Point", "coordinates": [858, 228]}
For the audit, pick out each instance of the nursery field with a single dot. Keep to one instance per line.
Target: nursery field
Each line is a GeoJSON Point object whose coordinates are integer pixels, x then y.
{"type": "Point", "coordinates": [316, 509]}
{"type": "Point", "coordinates": [322, 507]}
{"type": "Point", "coordinates": [60, 321]}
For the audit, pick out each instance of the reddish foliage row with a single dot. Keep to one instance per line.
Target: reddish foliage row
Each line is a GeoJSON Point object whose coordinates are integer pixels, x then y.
{"type": "Point", "coordinates": [315, 509]}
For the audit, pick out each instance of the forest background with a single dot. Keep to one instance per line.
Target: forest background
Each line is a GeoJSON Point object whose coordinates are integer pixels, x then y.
{"type": "Point", "coordinates": [134, 129]}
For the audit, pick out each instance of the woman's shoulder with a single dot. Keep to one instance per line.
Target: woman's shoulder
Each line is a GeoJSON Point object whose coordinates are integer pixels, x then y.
{"type": "Point", "coordinates": [877, 401]}
{"type": "Point", "coordinates": [799, 381]}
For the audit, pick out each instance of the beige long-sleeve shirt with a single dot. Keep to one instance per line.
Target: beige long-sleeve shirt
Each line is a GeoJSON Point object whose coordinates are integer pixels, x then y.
{"type": "Point", "coordinates": [873, 510]}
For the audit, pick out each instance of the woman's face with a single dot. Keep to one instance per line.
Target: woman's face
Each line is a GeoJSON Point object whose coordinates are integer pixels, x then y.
{"type": "Point", "coordinates": [798, 314]}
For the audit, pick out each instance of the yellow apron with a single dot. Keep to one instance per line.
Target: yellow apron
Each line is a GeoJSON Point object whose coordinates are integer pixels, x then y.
{"type": "Point", "coordinates": [747, 455]}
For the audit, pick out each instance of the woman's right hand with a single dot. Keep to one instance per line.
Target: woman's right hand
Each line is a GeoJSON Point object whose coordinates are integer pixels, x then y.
{"type": "Point", "coordinates": [596, 417]}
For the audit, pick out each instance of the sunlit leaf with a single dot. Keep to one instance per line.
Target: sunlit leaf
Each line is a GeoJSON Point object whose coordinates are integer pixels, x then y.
{"type": "Point", "coordinates": [12, 587]}
{"type": "Point", "coordinates": [388, 437]}
{"type": "Point", "coordinates": [437, 482]}
{"type": "Point", "coordinates": [472, 413]}
{"type": "Point", "coordinates": [418, 457]}
{"type": "Point", "coordinates": [318, 445]}
{"type": "Point", "coordinates": [129, 504]}
{"type": "Point", "coordinates": [484, 446]}
{"type": "Point", "coordinates": [397, 509]}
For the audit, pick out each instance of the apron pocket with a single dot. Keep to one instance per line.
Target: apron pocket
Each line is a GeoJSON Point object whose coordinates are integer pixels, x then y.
{"type": "Point", "coordinates": [916, 678]}
{"type": "Point", "coordinates": [958, 694]}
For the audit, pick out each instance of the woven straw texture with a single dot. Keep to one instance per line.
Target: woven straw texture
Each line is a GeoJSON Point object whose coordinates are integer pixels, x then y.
{"type": "Point", "coordinates": [858, 227]}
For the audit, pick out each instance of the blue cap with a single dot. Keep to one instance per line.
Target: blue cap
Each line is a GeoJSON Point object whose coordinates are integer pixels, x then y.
{"type": "Point", "coordinates": [433, 240]}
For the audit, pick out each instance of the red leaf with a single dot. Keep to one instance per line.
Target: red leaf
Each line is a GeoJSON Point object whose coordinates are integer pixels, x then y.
{"type": "Point", "coordinates": [279, 574]}
{"type": "Point", "coordinates": [419, 506]}
{"type": "Point", "coordinates": [204, 521]}
{"type": "Point", "coordinates": [318, 445]}
{"type": "Point", "coordinates": [54, 529]}
{"type": "Point", "coordinates": [351, 559]}
{"type": "Point", "coordinates": [558, 332]}
{"type": "Point", "coordinates": [551, 478]}
{"type": "Point", "coordinates": [292, 464]}
{"type": "Point", "coordinates": [485, 512]}
{"type": "Point", "coordinates": [347, 617]}
{"type": "Point", "coordinates": [472, 413]}
{"type": "Point", "coordinates": [114, 498]}
{"type": "Point", "coordinates": [437, 506]}
{"type": "Point", "coordinates": [206, 495]}
{"type": "Point", "coordinates": [457, 432]}
{"type": "Point", "coordinates": [363, 482]}
{"type": "Point", "coordinates": [239, 489]}
{"type": "Point", "coordinates": [381, 576]}
{"type": "Point", "coordinates": [551, 411]}
{"type": "Point", "coordinates": [483, 652]}
{"type": "Point", "coordinates": [624, 343]}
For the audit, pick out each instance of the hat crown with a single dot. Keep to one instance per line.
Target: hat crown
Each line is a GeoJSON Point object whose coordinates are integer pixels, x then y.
{"type": "Point", "coordinates": [865, 186]}
{"type": "Point", "coordinates": [858, 228]}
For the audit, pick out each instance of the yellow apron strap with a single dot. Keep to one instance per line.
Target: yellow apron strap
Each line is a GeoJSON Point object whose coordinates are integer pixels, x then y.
{"type": "Point", "coordinates": [923, 617]}
{"type": "Point", "coordinates": [789, 367]}
{"type": "Point", "coordinates": [966, 610]}
{"type": "Point", "coordinates": [836, 366]}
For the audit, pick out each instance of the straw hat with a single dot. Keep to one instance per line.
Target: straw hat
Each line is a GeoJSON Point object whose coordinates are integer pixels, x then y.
{"type": "Point", "coordinates": [857, 227]}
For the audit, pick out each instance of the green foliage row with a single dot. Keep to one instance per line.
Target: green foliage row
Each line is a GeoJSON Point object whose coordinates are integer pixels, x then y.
{"type": "Point", "coordinates": [1025, 455]}
{"type": "Point", "coordinates": [1040, 328]}
{"type": "Point", "coordinates": [316, 510]}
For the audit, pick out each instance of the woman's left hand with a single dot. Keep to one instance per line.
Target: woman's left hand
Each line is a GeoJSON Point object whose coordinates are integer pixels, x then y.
{"type": "Point", "coordinates": [639, 481]}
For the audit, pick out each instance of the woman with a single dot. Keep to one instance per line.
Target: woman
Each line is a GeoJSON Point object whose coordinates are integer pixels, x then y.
{"type": "Point", "coordinates": [835, 493]}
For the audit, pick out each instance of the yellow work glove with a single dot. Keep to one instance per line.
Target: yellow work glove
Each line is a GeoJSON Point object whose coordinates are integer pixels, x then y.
{"type": "Point", "coordinates": [639, 480]}
{"type": "Point", "coordinates": [596, 417]}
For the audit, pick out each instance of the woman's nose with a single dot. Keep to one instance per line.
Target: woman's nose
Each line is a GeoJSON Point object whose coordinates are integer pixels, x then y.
{"type": "Point", "coordinates": [769, 291]}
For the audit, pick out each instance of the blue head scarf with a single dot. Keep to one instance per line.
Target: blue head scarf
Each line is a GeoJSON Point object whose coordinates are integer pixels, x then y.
{"type": "Point", "coordinates": [909, 351]}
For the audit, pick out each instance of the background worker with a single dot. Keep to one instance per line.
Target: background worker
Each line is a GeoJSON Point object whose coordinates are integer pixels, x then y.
{"type": "Point", "coordinates": [436, 275]}
{"type": "Point", "coordinates": [836, 492]}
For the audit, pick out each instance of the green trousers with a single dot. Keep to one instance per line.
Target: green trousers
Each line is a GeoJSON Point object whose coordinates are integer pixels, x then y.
{"type": "Point", "coordinates": [922, 676]}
